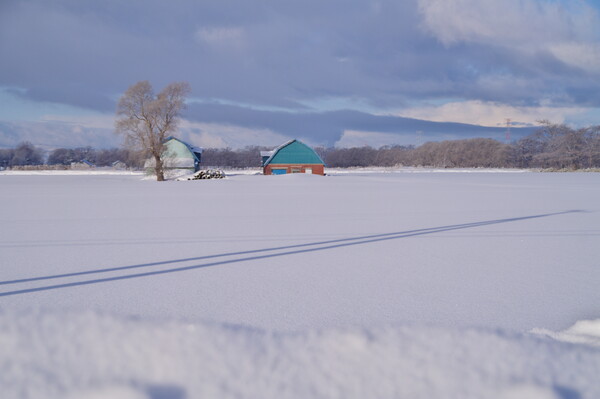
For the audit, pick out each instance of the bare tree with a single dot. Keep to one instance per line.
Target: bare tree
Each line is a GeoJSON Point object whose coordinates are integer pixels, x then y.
{"type": "Point", "coordinates": [559, 146]}
{"type": "Point", "coordinates": [146, 119]}
{"type": "Point", "coordinates": [27, 154]}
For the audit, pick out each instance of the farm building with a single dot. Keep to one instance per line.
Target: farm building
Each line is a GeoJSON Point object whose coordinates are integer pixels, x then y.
{"type": "Point", "coordinates": [83, 165]}
{"type": "Point", "coordinates": [119, 165]}
{"type": "Point", "coordinates": [292, 157]}
{"type": "Point", "coordinates": [178, 155]}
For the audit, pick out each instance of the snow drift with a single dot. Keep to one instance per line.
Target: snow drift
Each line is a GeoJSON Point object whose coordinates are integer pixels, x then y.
{"type": "Point", "coordinates": [93, 355]}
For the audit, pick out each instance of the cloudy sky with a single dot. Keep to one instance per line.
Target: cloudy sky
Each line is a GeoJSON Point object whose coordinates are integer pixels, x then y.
{"type": "Point", "coordinates": [328, 72]}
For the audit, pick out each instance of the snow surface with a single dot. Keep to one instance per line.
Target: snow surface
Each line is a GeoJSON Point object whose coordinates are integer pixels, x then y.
{"type": "Point", "coordinates": [432, 284]}
{"type": "Point", "coordinates": [91, 355]}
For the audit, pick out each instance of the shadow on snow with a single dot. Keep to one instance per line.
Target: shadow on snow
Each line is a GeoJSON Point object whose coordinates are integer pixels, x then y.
{"type": "Point", "coordinates": [256, 255]}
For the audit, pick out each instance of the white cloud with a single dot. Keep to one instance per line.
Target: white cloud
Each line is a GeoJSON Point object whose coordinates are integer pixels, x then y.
{"type": "Point", "coordinates": [89, 120]}
{"type": "Point", "coordinates": [215, 135]}
{"type": "Point", "coordinates": [567, 30]}
{"type": "Point", "coordinates": [583, 55]}
{"type": "Point", "coordinates": [60, 131]}
{"type": "Point", "coordinates": [357, 138]}
{"type": "Point", "coordinates": [55, 134]}
{"type": "Point", "coordinates": [508, 21]}
{"type": "Point", "coordinates": [68, 127]}
{"type": "Point", "coordinates": [333, 103]}
{"type": "Point", "coordinates": [221, 36]}
{"type": "Point", "coordinates": [485, 113]}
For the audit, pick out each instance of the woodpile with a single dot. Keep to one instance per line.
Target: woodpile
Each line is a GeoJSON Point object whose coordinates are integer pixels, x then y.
{"type": "Point", "coordinates": [208, 174]}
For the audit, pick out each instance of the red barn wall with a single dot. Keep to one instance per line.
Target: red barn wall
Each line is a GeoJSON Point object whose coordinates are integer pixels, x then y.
{"type": "Point", "coordinates": [317, 169]}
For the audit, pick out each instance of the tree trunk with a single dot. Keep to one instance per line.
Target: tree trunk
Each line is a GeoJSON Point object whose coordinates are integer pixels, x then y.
{"type": "Point", "coordinates": [158, 167]}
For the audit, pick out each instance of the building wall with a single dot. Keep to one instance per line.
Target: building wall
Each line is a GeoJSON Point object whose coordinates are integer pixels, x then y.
{"type": "Point", "coordinates": [175, 156]}
{"type": "Point", "coordinates": [176, 149]}
{"type": "Point", "coordinates": [317, 169]}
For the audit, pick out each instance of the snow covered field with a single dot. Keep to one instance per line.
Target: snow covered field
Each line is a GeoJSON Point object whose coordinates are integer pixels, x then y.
{"type": "Point", "coordinates": [448, 285]}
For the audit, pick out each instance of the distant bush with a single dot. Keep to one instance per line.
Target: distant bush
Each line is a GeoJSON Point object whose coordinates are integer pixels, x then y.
{"type": "Point", "coordinates": [24, 154]}
{"type": "Point", "coordinates": [553, 146]}
{"type": "Point", "coordinates": [41, 167]}
{"type": "Point", "coordinates": [103, 157]}
{"type": "Point", "coordinates": [559, 147]}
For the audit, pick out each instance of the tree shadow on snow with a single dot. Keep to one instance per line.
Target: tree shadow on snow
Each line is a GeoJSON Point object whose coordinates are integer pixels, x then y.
{"type": "Point", "coordinates": [256, 254]}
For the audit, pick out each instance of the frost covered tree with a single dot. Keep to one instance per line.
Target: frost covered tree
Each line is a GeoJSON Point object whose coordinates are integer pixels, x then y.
{"type": "Point", "coordinates": [146, 119]}
{"type": "Point", "coordinates": [27, 154]}
{"type": "Point", "coordinates": [560, 146]}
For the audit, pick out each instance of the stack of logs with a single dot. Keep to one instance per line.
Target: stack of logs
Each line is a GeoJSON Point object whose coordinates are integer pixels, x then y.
{"type": "Point", "coordinates": [208, 174]}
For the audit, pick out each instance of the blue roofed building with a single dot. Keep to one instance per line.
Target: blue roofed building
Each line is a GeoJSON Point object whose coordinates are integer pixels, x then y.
{"type": "Point", "coordinates": [178, 155]}
{"type": "Point", "coordinates": [292, 157]}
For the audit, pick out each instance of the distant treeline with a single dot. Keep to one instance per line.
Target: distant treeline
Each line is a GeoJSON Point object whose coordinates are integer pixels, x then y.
{"type": "Point", "coordinates": [27, 154]}
{"type": "Point", "coordinates": [552, 146]}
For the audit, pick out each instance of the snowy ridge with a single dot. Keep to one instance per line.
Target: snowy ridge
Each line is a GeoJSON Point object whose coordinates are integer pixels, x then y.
{"type": "Point", "coordinates": [93, 355]}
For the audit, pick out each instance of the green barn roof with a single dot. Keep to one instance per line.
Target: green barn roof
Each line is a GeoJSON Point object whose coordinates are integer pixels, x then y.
{"type": "Point", "coordinates": [293, 152]}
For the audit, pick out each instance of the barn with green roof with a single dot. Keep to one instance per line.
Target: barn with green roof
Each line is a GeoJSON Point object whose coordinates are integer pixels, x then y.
{"type": "Point", "coordinates": [292, 157]}
{"type": "Point", "coordinates": [178, 155]}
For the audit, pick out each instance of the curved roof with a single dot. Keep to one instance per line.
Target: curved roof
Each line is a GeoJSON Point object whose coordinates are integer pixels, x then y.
{"type": "Point", "coordinates": [294, 152]}
{"type": "Point", "coordinates": [194, 151]}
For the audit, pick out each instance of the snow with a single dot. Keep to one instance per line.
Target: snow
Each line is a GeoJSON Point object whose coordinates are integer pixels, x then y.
{"type": "Point", "coordinates": [364, 284]}
{"type": "Point", "coordinates": [91, 355]}
{"type": "Point", "coordinates": [414, 169]}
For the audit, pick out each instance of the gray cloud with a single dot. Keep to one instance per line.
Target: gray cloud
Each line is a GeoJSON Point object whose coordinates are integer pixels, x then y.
{"type": "Point", "coordinates": [386, 54]}
{"type": "Point", "coordinates": [378, 51]}
{"type": "Point", "coordinates": [326, 128]}
{"type": "Point", "coordinates": [319, 128]}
